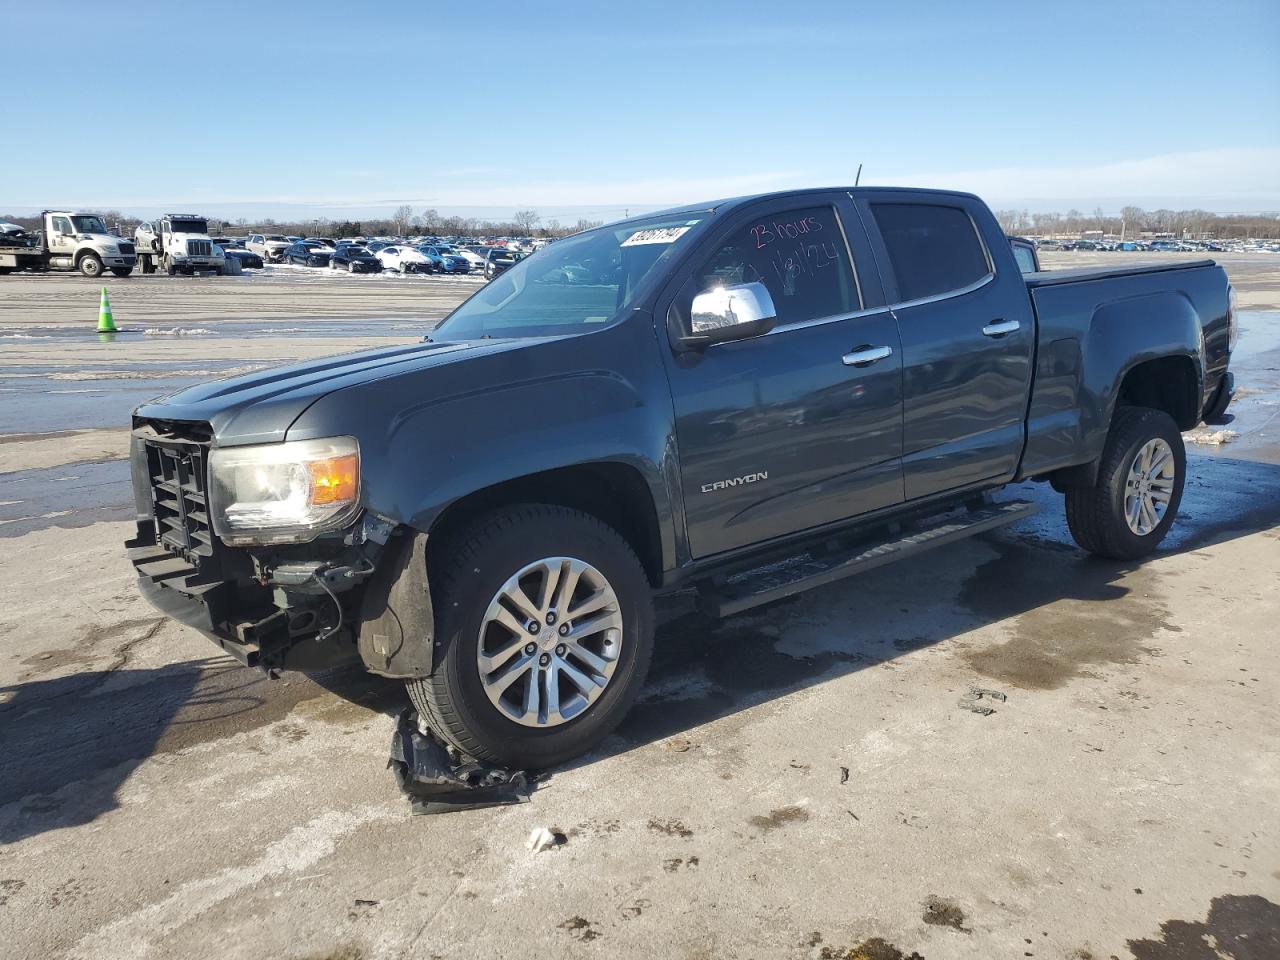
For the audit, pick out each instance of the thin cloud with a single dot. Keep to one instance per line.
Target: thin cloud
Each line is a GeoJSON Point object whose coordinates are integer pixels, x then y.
{"type": "Point", "coordinates": [1246, 176]}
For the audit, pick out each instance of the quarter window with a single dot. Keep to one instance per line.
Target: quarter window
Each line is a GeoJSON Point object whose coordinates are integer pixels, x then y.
{"type": "Point", "coordinates": [933, 249]}
{"type": "Point", "coordinates": [801, 258]}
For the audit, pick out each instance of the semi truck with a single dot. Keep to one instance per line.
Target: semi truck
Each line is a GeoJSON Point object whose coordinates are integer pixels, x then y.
{"type": "Point", "coordinates": [68, 241]}
{"type": "Point", "coordinates": [178, 243]}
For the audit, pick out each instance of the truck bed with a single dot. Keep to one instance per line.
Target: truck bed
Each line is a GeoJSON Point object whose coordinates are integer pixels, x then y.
{"type": "Point", "coordinates": [1049, 278]}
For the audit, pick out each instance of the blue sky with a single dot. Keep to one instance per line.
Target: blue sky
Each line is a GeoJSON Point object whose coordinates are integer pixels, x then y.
{"type": "Point", "coordinates": [344, 108]}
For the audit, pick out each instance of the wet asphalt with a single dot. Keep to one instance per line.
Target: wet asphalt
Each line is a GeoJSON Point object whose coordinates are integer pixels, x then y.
{"type": "Point", "coordinates": [95, 708]}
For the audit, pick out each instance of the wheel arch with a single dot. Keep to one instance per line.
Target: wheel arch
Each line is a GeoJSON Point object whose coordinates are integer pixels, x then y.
{"type": "Point", "coordinates": [614, 492]}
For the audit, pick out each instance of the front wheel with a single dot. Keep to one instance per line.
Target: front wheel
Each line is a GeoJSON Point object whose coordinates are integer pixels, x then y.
{"type": "Point", "coordinates": [91, 265]}
{"type": "Point", "coordinates": [1133, 503]}
{"type": "Point", "coordinates": [544, 616]}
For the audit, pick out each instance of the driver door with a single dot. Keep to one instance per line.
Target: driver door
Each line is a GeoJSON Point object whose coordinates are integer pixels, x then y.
{"type": "Point", "coordinates": [800, 426]}
{"type": "Point", "coordinates": [62, 239]}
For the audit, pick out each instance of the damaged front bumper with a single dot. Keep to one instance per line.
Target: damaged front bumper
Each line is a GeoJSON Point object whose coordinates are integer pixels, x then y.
{"type": "Point", "coordinates": [358, 593]}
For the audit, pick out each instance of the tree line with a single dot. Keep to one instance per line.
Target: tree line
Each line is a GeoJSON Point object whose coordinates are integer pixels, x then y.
{"type": "Point", "coordinates": [404, 221]}
{"type": "Point", "coordinates": [1132, 222]}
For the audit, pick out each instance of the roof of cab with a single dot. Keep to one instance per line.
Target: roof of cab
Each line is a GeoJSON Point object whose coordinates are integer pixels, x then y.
{"type": "Point", "coordinates": [732, 203]}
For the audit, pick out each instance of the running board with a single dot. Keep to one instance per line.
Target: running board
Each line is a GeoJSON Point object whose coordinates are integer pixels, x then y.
{"type": "Point", "coordinates": [742, 591]}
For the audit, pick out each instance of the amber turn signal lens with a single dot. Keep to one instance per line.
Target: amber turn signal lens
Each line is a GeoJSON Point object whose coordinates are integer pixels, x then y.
{"type": "Point", "coordinates": [334, 480]}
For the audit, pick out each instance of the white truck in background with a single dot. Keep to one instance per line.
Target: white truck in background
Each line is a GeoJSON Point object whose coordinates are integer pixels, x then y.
{"type": "Point", "coordinates": [68, 241]}
{"type": "Point", "coordinates": [269, 246]}
{"type": "Point", "coordinates": [178, 243]}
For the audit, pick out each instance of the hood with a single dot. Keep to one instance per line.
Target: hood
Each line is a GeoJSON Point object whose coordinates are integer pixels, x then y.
{"type": "Point", "coordinates": [260, 407]}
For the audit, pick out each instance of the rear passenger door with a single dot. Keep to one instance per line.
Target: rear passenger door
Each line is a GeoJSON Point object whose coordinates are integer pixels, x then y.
{"type": "Point", "coordinates": [968, 337]}
{"type": "Point", "coordinates": [800, 426]}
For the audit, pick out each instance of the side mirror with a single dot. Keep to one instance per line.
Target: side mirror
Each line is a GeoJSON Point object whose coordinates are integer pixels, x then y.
{"type": "Point", "coordinates": [728, 313]}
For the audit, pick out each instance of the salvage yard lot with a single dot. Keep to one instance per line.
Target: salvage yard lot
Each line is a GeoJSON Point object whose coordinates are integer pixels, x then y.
{"type": "Point", "coordinates": [795, 781]}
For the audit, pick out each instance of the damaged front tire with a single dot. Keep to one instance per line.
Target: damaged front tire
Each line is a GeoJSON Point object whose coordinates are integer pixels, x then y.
{"type": "Point", "coordinates": [544, 619]}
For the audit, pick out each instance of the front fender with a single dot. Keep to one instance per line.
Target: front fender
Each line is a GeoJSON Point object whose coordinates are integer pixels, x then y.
{"type": "Point", "coordinates": [429, 437]}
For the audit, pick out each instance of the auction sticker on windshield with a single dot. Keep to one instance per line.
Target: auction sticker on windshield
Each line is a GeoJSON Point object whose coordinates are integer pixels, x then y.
{"type": "Point", "coordinates": [657, 235]}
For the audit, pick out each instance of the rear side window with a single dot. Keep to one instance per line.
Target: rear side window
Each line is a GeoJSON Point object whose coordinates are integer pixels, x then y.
{"type": "Point", "coordinates": [800, 256]}
{"type": "Point", "coordinates": [933, 249]}
{"type": "Point", "coordinates": [1025, 258]}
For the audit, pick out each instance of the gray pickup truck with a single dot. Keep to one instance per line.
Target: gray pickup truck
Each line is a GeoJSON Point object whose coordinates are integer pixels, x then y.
{"type": "Point", "coordinates": [746, 398]}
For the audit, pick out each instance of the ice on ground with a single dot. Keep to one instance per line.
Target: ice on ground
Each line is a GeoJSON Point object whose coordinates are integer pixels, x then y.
{"type": "Point", "coordinates": [1216, 438]}
{"type": "Point", "coordinates": [176, 331]}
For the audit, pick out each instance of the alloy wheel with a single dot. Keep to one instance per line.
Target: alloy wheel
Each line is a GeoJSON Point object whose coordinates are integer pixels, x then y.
{"type": "Point", "coordinates": [549, 642]}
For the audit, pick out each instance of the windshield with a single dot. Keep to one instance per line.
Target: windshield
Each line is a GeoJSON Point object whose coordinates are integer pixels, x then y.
{"type": "Point", "coordinates": [278, 239]}
{"type": "Point", "coordinates": [89, 225]}
{"type": "Point", "coordinates": [189, 226]}
{"type": "Point", "coordinates": [576, 284]}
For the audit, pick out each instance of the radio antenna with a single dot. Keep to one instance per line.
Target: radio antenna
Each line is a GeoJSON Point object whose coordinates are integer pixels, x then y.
{"type": "Point", "coordinates": [858, 176]}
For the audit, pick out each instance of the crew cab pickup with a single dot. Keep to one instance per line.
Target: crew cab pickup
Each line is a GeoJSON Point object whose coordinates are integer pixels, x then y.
{"type": "Point", "coordinates": [745, 398]}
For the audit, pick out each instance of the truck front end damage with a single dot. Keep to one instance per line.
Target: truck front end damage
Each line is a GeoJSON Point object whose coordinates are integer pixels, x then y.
{"type": "Point", "coordinates": [275, 598]}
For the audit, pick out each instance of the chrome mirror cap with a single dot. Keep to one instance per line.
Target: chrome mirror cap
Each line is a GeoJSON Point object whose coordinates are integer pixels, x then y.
{"type": "Point", "coordinates": [740, 305]}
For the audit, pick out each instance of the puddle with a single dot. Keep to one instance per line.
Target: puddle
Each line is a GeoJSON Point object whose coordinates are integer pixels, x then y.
{"type": "Point", "coordinates": [1068, 613]}
{"type": "Point", "coordinates": [74, 495]}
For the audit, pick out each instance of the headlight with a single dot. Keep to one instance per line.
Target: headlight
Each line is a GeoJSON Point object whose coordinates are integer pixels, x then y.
{"type": "Point", "coordinates": [284, 492]}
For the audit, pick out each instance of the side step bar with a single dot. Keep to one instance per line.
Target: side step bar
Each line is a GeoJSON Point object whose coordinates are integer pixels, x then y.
{"type": "Point", "coordinates": [748, 589]}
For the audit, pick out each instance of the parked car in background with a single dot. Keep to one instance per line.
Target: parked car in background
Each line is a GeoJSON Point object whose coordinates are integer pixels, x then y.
{"type": "Point", "coordinates": [473, 256]}
{"type": "Point", "coordinates": [246, 259]}
{"type": "Point", "coordinates": [354, 259]}
{"type": "Point", "coordinates": [499, 260]}
{"type": "Point", "coordinates": [405, 260]}
{"type": "Point", "coordinates": [445, 259]}
{"type": "Point", "coordinates": [269, 246]}
{"type": "Point", "coordinates": [323, 241]}
{"type": "Point", "coordinates": [307, 253]}
{"type": "Point", "coordinates": [373, 246]}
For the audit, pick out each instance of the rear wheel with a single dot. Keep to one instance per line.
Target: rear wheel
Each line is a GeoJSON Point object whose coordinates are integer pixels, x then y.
{"type": "Point", "coordinates": [91, 265]}
{"type": "Point", "coordinates": [545, 619]}
{"type": "Point", "coordinates": [1131, 507]}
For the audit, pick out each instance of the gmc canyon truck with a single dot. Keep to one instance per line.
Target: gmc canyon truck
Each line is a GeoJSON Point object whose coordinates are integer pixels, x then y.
{"type": "Point", "coordinates": [68, 241]}
{"type": "Point", "coordinates": [746, 398]}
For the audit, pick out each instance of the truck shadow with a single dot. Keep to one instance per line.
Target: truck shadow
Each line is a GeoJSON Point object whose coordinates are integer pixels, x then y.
{"type": "Point", "coordinates": [1067, 615]}
{"type": "Point", "coordinates": [68, 744]}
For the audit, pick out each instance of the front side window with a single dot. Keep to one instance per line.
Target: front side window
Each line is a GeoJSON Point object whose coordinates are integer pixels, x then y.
{"type": "Point", "coordinates": [89, 225]}
{"type": "Point", "coordinates": [933, 249]}
{"type": "Point", "coordinates": [800, 256]}
{"type": "Point", "coordinates": [61, 225]}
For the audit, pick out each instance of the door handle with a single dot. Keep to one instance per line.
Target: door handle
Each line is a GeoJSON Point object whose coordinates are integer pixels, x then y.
{"type": "Point", "coordinates": [999, 328]}
{"type": "Point", "coordinates": [866, 355]}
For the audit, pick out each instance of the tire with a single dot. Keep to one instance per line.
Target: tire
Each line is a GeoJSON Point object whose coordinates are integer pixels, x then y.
{"type": "Point", "coordinates": [122, 271]}
{"type": "Point", "coordinates": [1096, 515]}
{"type": "Point", "coordinates": [91, 265]}
{"type": "Point", "coordinates": [169, 268]}
{"type": "Point", "coordinates": [481, 561]}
